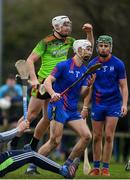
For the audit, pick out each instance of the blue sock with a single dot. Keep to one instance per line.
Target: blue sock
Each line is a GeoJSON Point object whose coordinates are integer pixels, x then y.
{"type": "Point", "coordinates": [105, 165]}
{"type": "Point", "coordinates": [68, 162]}
{"type": "Point", "coordinates": [96, 164]}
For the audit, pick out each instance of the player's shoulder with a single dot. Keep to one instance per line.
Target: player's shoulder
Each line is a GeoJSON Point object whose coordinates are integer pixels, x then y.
{"type": "Point", "coordinates": [93, 61]}
{"type": "Point", "coordinates": [117, 60]}
{"type": "Point", "coordinates": [4, 87]}
{"type": "Point", "coordinates": [49, 38]}
{"type": "Point", "coordinates": [70, 39]}
{"type": "Point", "coordinates": [64, 64]}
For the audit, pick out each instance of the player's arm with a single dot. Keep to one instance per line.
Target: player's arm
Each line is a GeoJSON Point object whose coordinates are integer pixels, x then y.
{"type": "Point", "coordinates": [48, 87]}
{"type": "Point", "coordinates": [8, 135]}
{"type": "Point", "coordinates": [85, 89]}
{"type": "Point", "coordinates": [31, 60]}
{"type": "Point", "coordinates": [89, 32]}
{"type": "Point", "coordinates": [124, 92]}
{"type": "Point", "coordinates": [87, 93]}
{"type": "Point", "coordinates": [87, 98]}
{"type": "Point", "coordinates": [36, 54]}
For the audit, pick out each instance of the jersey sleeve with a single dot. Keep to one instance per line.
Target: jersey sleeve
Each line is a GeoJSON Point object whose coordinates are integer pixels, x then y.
{"type": "Point", "coordinates": [91, 63]}
{"type": "Point", "coordinates": [8, 135]}
{"type": "Point", "coordinates": [40, 48]}
{"type": "Point", "coordinates": [121, 71]}
{"type": "Point", "coordinates": [58, 70]}
{"type": "Point", "coordinates": [85, 81]}
{"type": "Point", "coordinates": [3, 90]}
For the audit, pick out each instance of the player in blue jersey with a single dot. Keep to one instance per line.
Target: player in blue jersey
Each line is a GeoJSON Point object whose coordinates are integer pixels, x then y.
{"type": "Point", "coordinates": [63, 109]}
{"type": "Point", "coordinates": [109, 102]}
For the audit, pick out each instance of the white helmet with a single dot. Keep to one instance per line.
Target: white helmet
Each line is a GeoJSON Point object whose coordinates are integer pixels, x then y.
{"type": "Point", "coordinates": [59, 21]}
{"type": "Point", "coordinates": [83, 43]}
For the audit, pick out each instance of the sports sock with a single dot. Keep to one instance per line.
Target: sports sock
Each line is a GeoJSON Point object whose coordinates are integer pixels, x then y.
{"type": "Point", "coordinates": [96, 164]}
{"type": "Point", "coordinates": [34, 143]}
{"type": "Point", "coordinates": [68, 162]}
{"type": "Point", "coordinates": [105, 165]}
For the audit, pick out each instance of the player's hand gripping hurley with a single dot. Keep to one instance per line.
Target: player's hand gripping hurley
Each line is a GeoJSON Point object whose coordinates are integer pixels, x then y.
{"type": "Point", "coordinates": [22, 68]}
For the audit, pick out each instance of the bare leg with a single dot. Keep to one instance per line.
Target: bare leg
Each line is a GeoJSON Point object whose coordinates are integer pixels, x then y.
{"type": "Point", "coordinates": [80, 127]}
{"type": "Point", "coordinates": [56, 131]}
{"type": "Point", "coordinates": [110, 126]}
{"type": "Point", "coordinates": [43, 124]}
{"type": "Point", "coordinates": [34, 108]}
{"type": "Point", "coordinates": [97, 127]}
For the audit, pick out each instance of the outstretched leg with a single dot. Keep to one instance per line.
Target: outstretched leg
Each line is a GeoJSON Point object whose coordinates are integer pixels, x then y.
{"type": "Point", "coordinates": [12, 160]}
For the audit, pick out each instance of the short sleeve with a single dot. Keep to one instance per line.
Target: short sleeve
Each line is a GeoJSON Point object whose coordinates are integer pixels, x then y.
{"type": "Point", "coordinates": [121, 71]}
{"type": "Point", "coordinates": [40, 48]}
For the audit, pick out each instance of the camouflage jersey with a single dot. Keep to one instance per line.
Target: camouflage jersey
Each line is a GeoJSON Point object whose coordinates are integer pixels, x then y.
{"type": "Point", "coordinates": [52, 51]}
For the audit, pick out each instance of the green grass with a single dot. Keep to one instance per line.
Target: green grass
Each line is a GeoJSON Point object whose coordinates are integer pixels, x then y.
{"type": "Point", "coordinates": [117, 172]}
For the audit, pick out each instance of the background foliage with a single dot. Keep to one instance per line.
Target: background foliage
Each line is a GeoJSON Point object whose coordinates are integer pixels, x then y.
{"type": "Point", "coordinates": [28, 21]}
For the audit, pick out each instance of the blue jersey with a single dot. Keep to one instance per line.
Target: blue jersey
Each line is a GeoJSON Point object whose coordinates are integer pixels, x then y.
{"type": "Point", "coordinates": [106, 86]}
{"type": "Point", "coordinates": [67, 73]}
{"type": "Point", "coordinates": [5, 90]}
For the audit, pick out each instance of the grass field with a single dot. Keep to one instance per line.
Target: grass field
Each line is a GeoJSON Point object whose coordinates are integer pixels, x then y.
{"type": "Point", "coordinates": [117, 172]}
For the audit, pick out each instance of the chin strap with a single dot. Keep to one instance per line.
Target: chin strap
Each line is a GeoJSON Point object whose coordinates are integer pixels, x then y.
{"type": "Point", "coordinates": [63, 36]}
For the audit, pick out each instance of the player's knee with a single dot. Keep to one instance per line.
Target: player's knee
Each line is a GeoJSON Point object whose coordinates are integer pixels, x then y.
{"type": "Point", "coordinates": [54, 142]}
{"type": "Point", "coordinates": [86, 137]}
{"type": "Point", "coordinates": [45, 121]}
{"type": "Point", "coordinates": [108, 138]}
{"type": "Point", "coordinates": [32, 115]}
{"type": "Point", "coordinates": [97, 137]}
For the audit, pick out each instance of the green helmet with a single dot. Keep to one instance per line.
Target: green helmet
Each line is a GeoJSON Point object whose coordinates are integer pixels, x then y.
{"type": "Point", "coordinates": [105, 39]}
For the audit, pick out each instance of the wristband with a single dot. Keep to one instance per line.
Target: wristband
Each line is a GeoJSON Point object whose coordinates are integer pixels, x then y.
{"type": "Point", "coordinates": [85, 108]}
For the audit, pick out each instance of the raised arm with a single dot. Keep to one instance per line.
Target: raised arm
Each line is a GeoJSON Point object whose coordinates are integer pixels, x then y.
{"type": "Point", "coordinates": [89, 32]}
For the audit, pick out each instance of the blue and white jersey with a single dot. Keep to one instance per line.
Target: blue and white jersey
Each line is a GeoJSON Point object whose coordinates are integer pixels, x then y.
{"type": "Point", "coordinates": [106, 86]}
{"type": "Point", "coordinates": [66, 73]}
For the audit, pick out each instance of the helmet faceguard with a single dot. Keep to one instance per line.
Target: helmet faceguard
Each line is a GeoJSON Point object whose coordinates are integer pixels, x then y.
{"type": "Point", "coordinates": [83, 44]}
{"type": "Point", "coordinates": [59, 21]}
